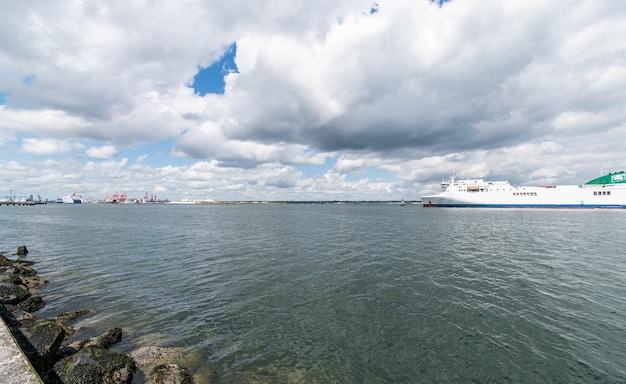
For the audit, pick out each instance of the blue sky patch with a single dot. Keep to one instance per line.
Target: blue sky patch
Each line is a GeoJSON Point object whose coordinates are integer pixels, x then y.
{"type": "Point", "coordinates": [159, 154]}
{"type": "Point", "coordinates": [211, 79]}
{"type": "Point", "coordinates": [29, 80]}
{"type": "Point", "coordinates": [440, 2]}
{"type": "Point", "coordinates": [3, 98]}
{"type": "Point", "coordinates": [312, 170]}
{"type": "Point", "coordinates": [372, 173]}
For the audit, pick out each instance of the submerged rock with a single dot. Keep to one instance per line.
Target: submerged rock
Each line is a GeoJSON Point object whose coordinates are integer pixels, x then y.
{"type": "Point", "coordinates": [105, 340]}
{"type": "Point", "coordinates": [156, 365]}
{"type": "Point", "coordinates": [150, 357]}
{"type": "Point", "coordinates": [69, 316]}
{"type": "Point", "coordinates": [168, 374]}
{"type": "Point", "coordinates": [72, 315]}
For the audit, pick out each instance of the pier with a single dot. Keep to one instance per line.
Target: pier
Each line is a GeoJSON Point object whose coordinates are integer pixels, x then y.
{"type": "Point", "coordinates": [13, 202]}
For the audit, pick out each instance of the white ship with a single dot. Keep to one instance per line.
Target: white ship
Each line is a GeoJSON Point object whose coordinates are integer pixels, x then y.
{"type": "Point", "coordinates": [607, 191]}
{"type": "Point", "coordinates": [73, 199]}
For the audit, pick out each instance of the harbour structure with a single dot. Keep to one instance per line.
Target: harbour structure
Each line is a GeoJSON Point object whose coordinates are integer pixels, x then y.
{"type": "Point", "coordinates": [22, 202]}
{"type": "Point", "coordinates": [116, 198]}
{"type": "Point", "coordinates": [15, 200]}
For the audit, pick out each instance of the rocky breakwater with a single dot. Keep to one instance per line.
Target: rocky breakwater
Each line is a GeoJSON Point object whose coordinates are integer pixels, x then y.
{"type": "Point", "coordinates": [45, 341]}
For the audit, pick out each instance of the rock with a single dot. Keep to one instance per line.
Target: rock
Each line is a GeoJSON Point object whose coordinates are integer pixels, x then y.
{"type": "Point", "coordinates": [105, 340]}
{"type": "Point", "coordinates": [23, 262]}
{"type": "Point", "coordinates": [86, 361]}
{"type": "Point", "coordinates": [95, 366]}
{"type": "Point", "coordinates": [31, 304]}
{"type": "Point", "coordinates": [8, 276]}
{"type": "Point", "coordinates": [69, 316]}
{"type": "Point", "coordinates": [33, 282]}
{"type": "Point", "coordinates": [13, 293]}
{"type": "Point", "coordinates": [20, 272]}
{"type": "Point", "coordinates": [168, 374]}
{"type": "Point", "coordinates": [19, 315]}
{"type": "Point", "coordinates": [109, 338]}
{"type": "Point", "coordinates": [45, 338]}
{"type": "Point", "coordinates": [8, 316]}
{"type": "Point", "coordinates": [72, 315]}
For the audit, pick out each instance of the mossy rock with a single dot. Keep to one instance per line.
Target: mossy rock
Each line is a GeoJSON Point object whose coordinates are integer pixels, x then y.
{"type": "Point", "coordinates": [94, 365]}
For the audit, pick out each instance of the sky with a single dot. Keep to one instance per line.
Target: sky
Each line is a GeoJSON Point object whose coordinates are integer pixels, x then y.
{"type": "Point", "coordinates": [307, 100]}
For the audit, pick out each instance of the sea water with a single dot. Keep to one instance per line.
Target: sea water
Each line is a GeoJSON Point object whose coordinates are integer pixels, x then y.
{"type": "Point", "coordinates": [320, 293]}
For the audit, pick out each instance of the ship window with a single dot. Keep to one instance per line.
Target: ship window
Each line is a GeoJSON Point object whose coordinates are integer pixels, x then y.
{"type": "Point", "coordinates": [608, 192]}
{"type": "Point", "coordinates": [595, 193]}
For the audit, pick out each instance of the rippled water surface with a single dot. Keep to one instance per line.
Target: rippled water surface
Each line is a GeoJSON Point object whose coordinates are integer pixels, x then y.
{"type": "Point", "coordinates": [343, 293]}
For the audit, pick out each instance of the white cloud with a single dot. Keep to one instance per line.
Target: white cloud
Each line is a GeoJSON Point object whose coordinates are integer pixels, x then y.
{"type": "Point", "coordinates": [105, 152]}
{"type": "Point", "coordinates": [45, 122]}
{"type": "Point", "coordinates": [48, 146]}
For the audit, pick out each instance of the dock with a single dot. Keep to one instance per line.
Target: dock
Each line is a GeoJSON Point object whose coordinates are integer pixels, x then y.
{"type": "Point", "coordinates": [13, 202]}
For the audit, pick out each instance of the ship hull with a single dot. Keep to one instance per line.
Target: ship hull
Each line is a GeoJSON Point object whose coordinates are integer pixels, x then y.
{"type": "Point", "coordinates": [567, 196]}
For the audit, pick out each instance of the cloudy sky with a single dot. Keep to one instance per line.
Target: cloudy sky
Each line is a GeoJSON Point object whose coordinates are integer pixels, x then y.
{"type": "Point", "coordinates": [307, 100]}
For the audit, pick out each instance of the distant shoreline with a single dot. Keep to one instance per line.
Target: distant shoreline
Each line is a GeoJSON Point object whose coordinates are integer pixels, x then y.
{"type": "Point", "coordinates": [236, 202]}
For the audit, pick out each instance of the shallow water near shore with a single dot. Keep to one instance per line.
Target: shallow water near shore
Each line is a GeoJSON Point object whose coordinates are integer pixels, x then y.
{"type": "Point", "coordinates": [342, 293]}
